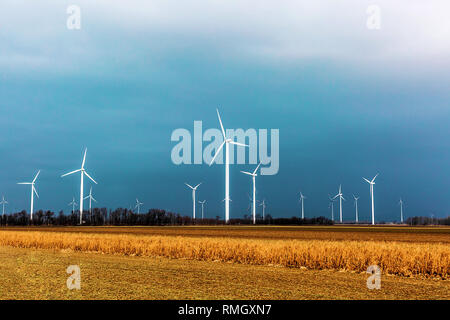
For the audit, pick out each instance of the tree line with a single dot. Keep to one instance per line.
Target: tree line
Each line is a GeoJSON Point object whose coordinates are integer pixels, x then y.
{"type": "Point", "coordinates": [161, 217]}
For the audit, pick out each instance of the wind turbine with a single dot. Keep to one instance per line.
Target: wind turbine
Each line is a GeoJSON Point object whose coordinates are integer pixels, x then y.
{"type": "Point", "coordinates": [73, 204]}
{"type": "Point", "coordinates": [253, 175]}
{"type": "Point", "coordinates": [226, 142]}
{"type": "Point", "coordinates": [90, 197]}
{"type": "Point", "coordinates": [340, 202]}
{"type": "Point", "coordinates": [372, 182]}
{"type": "Point", "coordinates": [82, 172]}
{"type": "Point", "coordinates": [138, 205]}
{"type": "Point", "coordinates": [263, 204]}
{"type": "Point", "coordinates": [331, 205]}
{"type": "Point", "coordinates": [33, 191]}
{"type": "Point", "coordinates": [401, 209]}
{"type": "Point", "coordinates": [3, 202]}
{"type": "Point", "coordinates": [356, 207]}
{"type": "Point", "coordinates": [193, 197]}
{"type": "Point", "coordinates": [302, 200]}
{"type": "Point", "coordinates": [202, 203]}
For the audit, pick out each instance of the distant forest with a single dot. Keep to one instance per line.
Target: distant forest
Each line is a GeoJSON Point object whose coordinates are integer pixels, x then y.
{"type": "Point", "coordinates": [159, 217]}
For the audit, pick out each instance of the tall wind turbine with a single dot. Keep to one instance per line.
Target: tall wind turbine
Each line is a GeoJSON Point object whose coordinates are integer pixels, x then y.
{"type": "Point", "coordinates": [82, 172]}
{"type": "Point", "coordinates": [371, 183]}
{"type": "Point", "coordinates": [356, 207]}
{"type": "Point", "coordinates": [302, 200]}
{"type": "Point", "coordinates": [3, 202]}
{"type": "Point", "coordinates": [253, 175]}
{"type": "Point", "coordinates": [138, 205]}
{"type": "Point", "coordinates": [331, 205]}
{"type": "Point", "coordinates": [73, 204]}
{"type": "Point", "coordinates": [90, 197]}
{"type": "Point", "coordinates": [226, 142]}
{"type": "Point", "coordinates": [33, 191]}
{"type": "Point", "coordinates": [263, 204]}
{"type": "Point", "coordinates": [193, 197]}
{"type": "Point", "coordinates": [340, 202]}
{"type": "Point", "coordinates": [401, 209]}
{"type": "Point", "coordinates": [202, 203]}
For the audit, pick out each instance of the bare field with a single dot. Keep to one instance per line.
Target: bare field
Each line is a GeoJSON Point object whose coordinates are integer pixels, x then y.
{"type": "Point", "coordinates": [241, 262]}
{"type": "Point", "coordinates": [41, 274]}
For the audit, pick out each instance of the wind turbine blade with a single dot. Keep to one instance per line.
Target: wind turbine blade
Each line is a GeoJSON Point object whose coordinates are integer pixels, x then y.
{"type": "Point", "coordinates": [250, 174]}
{"type": "Point", "coordinates": [87, 197]}
{"type": "Point", "coordinates": [189, 185]}
{"type": "Point", "coordinates": [197, 185]}
{"type": "Point", "coordinates": [66, 174]}
{"type": "Point", "coordinates": [239, 144]}
{"type": "Point", "coordinates": [366, 180]}
{"type": "Point", "coordinates": [37, 174]}
{"type": "Point", "coordinates": [375, 177]}
{"type": "Point", "coordinates": [24, 183]}
{"type": "Point", "coordinates": [221, 125]}
{"type": "Point", "coordinates": [84, 158]}
{"type": "Point", "coordinates": [335, 196]}
{"type": "Point", "coordinates": [254, 172]}
{"type": "Point", "coordinates": [90, 177]}
{"type": "Point", "coordinates": [217, 152]}
{"type": "Point", "coordinates": [34, 189]}
{"type": "Point", "coordinates": [94, 199]}
{"type": "Point", "coordinates": [343, 198]}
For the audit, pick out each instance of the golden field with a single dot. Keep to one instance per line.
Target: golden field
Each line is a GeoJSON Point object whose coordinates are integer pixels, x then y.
{"type": "Point", "coordinates": [403, 258]}
{"type": "Point", "coordinates": [187, 262]}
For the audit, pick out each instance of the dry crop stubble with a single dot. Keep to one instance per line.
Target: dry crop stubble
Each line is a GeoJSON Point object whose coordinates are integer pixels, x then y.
{"type": "Point", "coordinates": [393, 257]}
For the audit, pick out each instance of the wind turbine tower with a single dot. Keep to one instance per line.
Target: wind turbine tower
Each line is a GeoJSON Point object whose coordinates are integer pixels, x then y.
{"type": "Point", "coordinates": [356, 207]}
{"type": "Point", "coordinates": [372, 183]}
{"type": "Point", "coordinates": [90, 197]}
{"type": "Point", "coordinates": [33, 191]}
{"type": "Point", "coordinates": [73, 204]}
{"type": "Point", "coordinates": [302, 199]}
{"type": "Point", "coordinates": [83, 173]}
{"type": "Point", "coordinates": [401, 209]}
{"type": "Point", "coordinates": [226, 142]}
{"type": "Point", "coordinates": [253, 175]}
{"type": "Point", "coordinates": [340, 202]}
{"type": "Point", "coordinates": [138, 205]}
{"type": "Point", "coordinates": [202, 203]}
{"type": "Point", "coordinates": [193, 197]}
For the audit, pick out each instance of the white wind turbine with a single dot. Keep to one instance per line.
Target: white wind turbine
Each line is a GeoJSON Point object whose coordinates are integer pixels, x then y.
{"type": "Point", "coordinates": [331, 205]}
{"type": "Point", "coordinates": [263, 204]}
{"type": "Point", "coordinates": [138, 205]}
{"type": "Point", "coordinates": [83, 172]}
{"type": "Point", "coordinates": [193, 197]}
{"type": "Point", "coordinates": [33, 191]}
{"type": "Point", "coordinates": [3, 202]}
{"type": "Point", "coordinates": [73, 204]}
{"type": "Point", "coordinates": [90, 197]}
{"type": "Point", "coordinates": [253, 175]}
{"type": "Point", "coordinates": [356, 207]}
{"type": "Point", "coordinates": [226, 142]}
{"type": "Point", "coordinates": [372, 182]}
{"type": "Point", "coordinates": [202, 203]}
{"type": "Point", "coordinates": [401, 209]}
{"type": "Point", "coordinates": [340, 202]}
{"type": "Point", "coordinates": [302, 200]}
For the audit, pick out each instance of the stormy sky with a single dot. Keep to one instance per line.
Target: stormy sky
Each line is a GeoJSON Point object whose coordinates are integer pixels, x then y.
{"type": "Point", "coordinates": [348, 101]}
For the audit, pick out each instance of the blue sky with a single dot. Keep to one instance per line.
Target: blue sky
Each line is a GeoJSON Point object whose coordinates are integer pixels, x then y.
{"type": "Point", "coordinates": [349, 102]}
